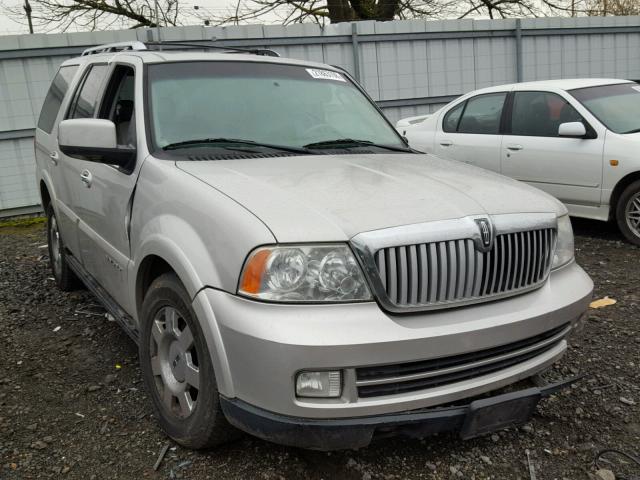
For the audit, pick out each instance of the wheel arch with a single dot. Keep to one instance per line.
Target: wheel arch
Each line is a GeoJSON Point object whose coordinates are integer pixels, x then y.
{"type": "Point", "coordinates": [167, 257]}
{"type": "Point", "coordinates": [46, 189]}
{"type": "Point", "coordinates": [151, 267]}
{"type": "Point", "coordinates": [160, 255]}
{"type": "Point", "coordinates": [622, 184]}
{"type": "Point", "coordinates": [45, 196]}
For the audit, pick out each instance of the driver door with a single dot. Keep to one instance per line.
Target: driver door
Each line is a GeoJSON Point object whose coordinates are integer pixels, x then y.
{"type": "Point", "coordinates": [570, 169]}
{"type": "Point", "coordinates": [103, 193]}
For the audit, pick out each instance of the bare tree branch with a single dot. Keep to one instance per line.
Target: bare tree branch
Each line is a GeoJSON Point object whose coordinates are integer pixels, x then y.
{"type": "Point", "coordinates": [63, 15]}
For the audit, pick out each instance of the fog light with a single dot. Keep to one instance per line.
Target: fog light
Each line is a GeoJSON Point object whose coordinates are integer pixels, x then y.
{"type": "Point", "coordinates": [327, 384]}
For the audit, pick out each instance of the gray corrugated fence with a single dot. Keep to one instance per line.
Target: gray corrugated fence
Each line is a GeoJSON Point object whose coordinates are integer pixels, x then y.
{"type": "Point", "coordinates": [409, 67]}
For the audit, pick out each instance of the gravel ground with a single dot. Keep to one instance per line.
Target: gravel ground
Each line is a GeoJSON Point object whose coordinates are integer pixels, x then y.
{"type": "Point", "coordinates": [72, 403]}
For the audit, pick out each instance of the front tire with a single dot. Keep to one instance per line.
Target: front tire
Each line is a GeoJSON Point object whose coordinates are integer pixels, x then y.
{"type": "Point", "coordinates": [628, 213]}
{"type": "Point", "coordinates": [177, 368]}
{"type": "Point", "coordinates": [64, 277]}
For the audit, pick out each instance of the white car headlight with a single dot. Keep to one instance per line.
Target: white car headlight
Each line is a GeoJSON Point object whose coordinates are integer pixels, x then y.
{"type": "Point", "coordinates": [303, 273]}
{"type": "Point", "coordinates": [564, 247]}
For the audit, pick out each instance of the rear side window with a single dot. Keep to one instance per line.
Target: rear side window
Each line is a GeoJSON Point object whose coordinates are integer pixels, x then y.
{"type": "Point", "coordinates": [86, 98]}
{"type": "Point", "coordinates": [53, 100]}
{"type": "Point", "coordinates": [539, 114]}
{"type": "Point", "coordinates": [452, 118]}
{"type": "Point", "coordinates": [482, 114]}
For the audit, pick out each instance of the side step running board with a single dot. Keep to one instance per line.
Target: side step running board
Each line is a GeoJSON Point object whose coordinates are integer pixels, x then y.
{"type": "Point", "coordinates": [122, 317]}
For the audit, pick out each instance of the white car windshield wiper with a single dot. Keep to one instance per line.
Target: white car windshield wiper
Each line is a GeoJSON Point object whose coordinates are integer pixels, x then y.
{"type": "Point", "coordinates": [225, 142]}
{"type": "Point", "coordinates": [353, 143]}
{"type": "Point", "coordinates": [635, 130]}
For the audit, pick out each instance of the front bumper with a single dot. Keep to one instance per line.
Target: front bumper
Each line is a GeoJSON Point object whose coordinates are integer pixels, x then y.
{"type": "Point", "coordinates": [473, 419]}
{"type": "Point", "coordinates": [258, 348]}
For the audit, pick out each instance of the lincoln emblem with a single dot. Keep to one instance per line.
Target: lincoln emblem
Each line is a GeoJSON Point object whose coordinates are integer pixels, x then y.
{"type": "Point", "coordinates": [485, 231]}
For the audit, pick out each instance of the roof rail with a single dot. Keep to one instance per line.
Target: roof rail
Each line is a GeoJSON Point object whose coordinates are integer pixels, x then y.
{"type": "Point", "coordinates": [115, 47]}
{"type": "Point", "coordinates": [208, 46]}
{"type": "Point", "coordinates": [137, 45]}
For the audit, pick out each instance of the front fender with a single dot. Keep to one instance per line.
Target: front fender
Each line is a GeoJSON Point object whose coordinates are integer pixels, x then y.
{"type": "Point", "coordinates": [204, 236]}
{"type": "Point", "coordinates": [159, 239]}
{"type": "Point", "coordinates": [202, 233]}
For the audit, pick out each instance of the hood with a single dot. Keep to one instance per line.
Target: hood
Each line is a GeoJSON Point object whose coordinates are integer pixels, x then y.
{"type": "Point", "coordinates": [334, 197]}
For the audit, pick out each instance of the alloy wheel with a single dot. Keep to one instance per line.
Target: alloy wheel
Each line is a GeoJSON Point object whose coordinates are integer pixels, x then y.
{"type": "Point", "coordinates": [632, 214]}
{"type": "Point", "coordinates": [174, 362]}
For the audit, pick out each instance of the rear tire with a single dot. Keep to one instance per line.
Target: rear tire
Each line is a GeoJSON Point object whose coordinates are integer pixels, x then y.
{"type": "Point", "coordinates": [64, 277]}
{"type": "Point", "coordinates": [177, 369]}
{"type": "Point", "coordinates": [628, 213]}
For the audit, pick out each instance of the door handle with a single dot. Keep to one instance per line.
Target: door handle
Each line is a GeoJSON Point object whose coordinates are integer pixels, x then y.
{"type": "Point", "coordinates": [53, 156]}
{"type": "Point", "coordinates": [446, 143]}
{"type": "Point", "coordinates": [86, 178]}
{"type": "Point", "coordinates": [515, 147]}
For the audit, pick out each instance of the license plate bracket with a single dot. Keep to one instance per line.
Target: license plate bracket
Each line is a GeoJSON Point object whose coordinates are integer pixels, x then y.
{"type": "Point", "coordinates": [495, 413]}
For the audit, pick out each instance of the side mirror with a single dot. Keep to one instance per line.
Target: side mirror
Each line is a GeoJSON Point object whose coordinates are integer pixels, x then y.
{"type": "Point", "coordinates": [572, 130]}
{"type": "Point", "coordinates": [94, 140]}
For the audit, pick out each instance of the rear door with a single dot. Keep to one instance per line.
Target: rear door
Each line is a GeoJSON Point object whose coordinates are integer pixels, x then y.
{"type": "Point", "coordinates": [48, 156]}
{"type": "Point", "coordinates": [570, 169]}
{"type": "Point", "coordinates": [471, 131]}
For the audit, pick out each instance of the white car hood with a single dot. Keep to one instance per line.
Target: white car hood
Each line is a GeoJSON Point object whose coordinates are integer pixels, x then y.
{"type": "Point", "coordinates": [334, 197]}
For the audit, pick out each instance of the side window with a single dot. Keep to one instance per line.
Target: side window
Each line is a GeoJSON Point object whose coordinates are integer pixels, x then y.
{"type": "Point", "coordinates": [539, 114]}
{"type": "Point", "coordinates": [482, 114]}
{"type": "Point", "coordinates": [451, 119]}
{"type": "Point", "coordinates": [53, 100]}
{"type": "Point", "coordinates": [119, 102]}
{"type": "Point", "coordinates": [87, 96]}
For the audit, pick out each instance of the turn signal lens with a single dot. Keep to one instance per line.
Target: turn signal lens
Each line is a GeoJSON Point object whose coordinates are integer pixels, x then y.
{"type": "Point", "coordinates": [253, 270]}
{"type": "Point", "coordinates": [304, 273]}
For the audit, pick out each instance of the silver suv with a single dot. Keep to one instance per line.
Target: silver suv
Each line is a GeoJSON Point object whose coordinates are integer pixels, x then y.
{"type": "Point", "coordinates": [287, 265]}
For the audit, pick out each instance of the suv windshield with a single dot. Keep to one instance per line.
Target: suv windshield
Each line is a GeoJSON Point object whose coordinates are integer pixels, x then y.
{"type": "Point", "coordinates": [269, 105]}
{"type": "Point", "coordinates": [616, 106]}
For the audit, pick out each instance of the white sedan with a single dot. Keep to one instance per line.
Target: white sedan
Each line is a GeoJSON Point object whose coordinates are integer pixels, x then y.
{"type": "Point", "coordinates": [578, 140]}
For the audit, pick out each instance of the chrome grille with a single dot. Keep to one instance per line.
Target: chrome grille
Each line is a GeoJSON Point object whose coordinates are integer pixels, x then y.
{"type": "Point", "coordinates": [454, 271]}
{"type": "Point", "coordinates": [380, 380]}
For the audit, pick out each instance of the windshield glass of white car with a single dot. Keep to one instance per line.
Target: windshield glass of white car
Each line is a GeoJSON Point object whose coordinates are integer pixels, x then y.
{"type": "Point", "coordinates": [214, 105]}
{"type": "Point", "coordinates": [616, 106]}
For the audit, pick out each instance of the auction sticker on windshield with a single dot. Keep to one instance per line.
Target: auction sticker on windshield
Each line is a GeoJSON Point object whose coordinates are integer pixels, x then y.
{"type": "Point", "coordinates": [325, 74]}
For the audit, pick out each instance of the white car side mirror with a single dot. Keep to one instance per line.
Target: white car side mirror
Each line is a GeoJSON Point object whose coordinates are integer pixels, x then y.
{"type": "Point", "coordinates": [572, 129]}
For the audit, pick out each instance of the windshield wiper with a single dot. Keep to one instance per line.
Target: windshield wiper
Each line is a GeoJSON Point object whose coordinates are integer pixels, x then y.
{"type": "Point", "coordinates": [211, 141]}
{"type": "Point", "coordinates": [635, 130]}
{"type": "Point", "coordinates": [351, 143]}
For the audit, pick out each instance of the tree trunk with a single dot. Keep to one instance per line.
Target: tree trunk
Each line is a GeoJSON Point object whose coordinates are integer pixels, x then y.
{"type": "Point", "coordinates": [354, 10]}
{"type": "Point", "coordinates": [340, 11]}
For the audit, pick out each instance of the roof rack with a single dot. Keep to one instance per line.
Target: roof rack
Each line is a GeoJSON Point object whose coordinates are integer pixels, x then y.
{"type": "Point", "coordinates": [207, 46]}
{"type": "Point", "coordinates": [137, 46]}
{"type": "Point", "coordinates": [115, 47]}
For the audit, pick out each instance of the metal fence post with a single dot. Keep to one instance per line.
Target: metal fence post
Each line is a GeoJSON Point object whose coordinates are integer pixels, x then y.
{"type": "Point", "coordinates": [518, 50]}
{"type": "Point", "coordinates": [356, 50]}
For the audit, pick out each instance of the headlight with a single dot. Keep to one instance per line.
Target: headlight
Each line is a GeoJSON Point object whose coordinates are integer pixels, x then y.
{"type": "Point", "coordinates": [303, 273]}
{"type": "Point", "coordinates": [564, 246]}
